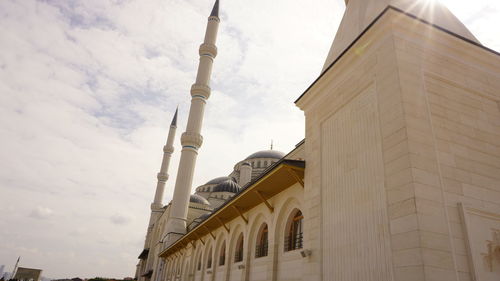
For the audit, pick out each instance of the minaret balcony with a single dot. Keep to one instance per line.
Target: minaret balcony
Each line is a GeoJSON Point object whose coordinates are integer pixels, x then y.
{"type": "Point", "coordinates": [191, 139]}
{"type": "Point", "coordinates": [162, 177]}
{"type": "Point", "coordinates": [199, 90]}
{"type": "Point", "coordinates": [208, 49]}
{"type": "Point", "coordinates": [168, 149]}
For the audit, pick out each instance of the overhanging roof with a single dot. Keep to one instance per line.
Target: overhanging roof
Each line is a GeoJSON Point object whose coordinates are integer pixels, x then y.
{"type": "Point", "coordinates": [277, 178]}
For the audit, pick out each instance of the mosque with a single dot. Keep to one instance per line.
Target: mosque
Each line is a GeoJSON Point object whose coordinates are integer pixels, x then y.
{"type": "Point", "coordinates": [397, 179]}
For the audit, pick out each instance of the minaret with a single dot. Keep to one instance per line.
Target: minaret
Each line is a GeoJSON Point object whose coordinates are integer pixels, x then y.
{"type": "Point", "coordinates": [162, 176]}
{"type": "Point", "coordinates": [191, 140]}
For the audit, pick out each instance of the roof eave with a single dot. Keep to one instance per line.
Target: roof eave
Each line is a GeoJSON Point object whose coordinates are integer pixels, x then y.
{"type": "Point", "coordinates": [245, 200]}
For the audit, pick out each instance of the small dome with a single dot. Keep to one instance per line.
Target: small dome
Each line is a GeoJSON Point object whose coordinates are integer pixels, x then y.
{"type": "Point", "coordinates": [217, 180]}
{"type": "Point", "coordinates": [266, 154]}
{"type": "Point", "coordinates": [195, 198]}
{"type": "Point", "coordinates": [227, 186]}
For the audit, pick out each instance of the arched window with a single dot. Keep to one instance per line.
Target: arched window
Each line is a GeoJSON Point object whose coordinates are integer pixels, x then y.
{"type": "Point", "coordinates": [258, 164]}
{"type": "Point", "coordinates": [293, 234]}
{"type": "Point", "coordinates": [238, 253]}
{"type": "Point", "coordinates": [222, 254]}
{"type": "Point", "coordinates": [262, 242]}
{"type": "Point", "coordinates": [209, 259]}
{"type": "Point", "coordinates": [178, 271]}
{"type": "Point", "coordinates": [198, 266]}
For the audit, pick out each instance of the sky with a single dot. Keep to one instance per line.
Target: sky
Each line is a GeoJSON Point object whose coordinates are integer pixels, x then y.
{"type": "Point", "coordinates": [87, 92]}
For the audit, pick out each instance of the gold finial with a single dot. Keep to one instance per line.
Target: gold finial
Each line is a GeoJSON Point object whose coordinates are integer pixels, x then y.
{"type": "Point", "coordinates": [271, 144]}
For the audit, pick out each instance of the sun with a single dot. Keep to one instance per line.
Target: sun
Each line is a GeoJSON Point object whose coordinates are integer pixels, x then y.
{"type": "Point", "coordinates": [456, 5]}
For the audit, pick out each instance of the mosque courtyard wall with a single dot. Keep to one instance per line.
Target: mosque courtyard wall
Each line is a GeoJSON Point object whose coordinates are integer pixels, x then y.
{"type": "Point", "coordinates": [280, 264]}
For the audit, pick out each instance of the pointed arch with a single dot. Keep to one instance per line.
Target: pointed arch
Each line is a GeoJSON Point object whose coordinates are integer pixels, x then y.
{"type": "Point", "coordinates": [294, 231]}
{"type": "Point", "coordinates": [209, 258]}
{"type": "Point", "coordinates": [222, 254]}
{"type": "Point", "coordinates": [281, 219]}
{"type": "Point", "coordinates": [262, 241]}
{"type": "Point", "coordinates": [185, 271]}
{"type": "Point", "coordinates": [238, 250]}
{"type": "Point", "coordinates": [199, 261]}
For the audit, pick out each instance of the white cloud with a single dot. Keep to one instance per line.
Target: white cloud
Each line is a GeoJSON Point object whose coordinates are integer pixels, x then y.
{"type": "Point", "coordinates": [88, 88]}
{"type": "Point", "coordinates": [120, 219]}
{"type": "Point", "coordinates": [41, 213]}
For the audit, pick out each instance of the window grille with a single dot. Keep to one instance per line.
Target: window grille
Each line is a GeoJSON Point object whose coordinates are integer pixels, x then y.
{"type": "Point", "coordinates": [238, 254]}
{"type": "Point", "coordinates": [209, 260]}
{"type": "Point", "coordinates": [294, 236]}
{"type": "Point", "coordinates": [262, 242]}
{"type": "Point", "coordinates": [261, 250]}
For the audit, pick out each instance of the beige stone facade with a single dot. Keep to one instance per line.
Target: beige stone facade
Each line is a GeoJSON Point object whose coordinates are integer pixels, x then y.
{"type": "Point", "coordinates": [401, 178]}
{"type": "Point", "coordinates": [401, 130]}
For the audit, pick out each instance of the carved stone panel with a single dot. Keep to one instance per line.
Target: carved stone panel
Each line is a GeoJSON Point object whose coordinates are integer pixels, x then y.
{"type": "Point", "coordinates": [482, 233]}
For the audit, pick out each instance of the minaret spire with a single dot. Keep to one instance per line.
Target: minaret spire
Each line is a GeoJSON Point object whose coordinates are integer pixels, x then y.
{"type": "Point", "coordinates": [215, 9]}
{"type": "Point", "coordinates": [174, 120]}
{"type": "Point", "coordinates": [192, 140]}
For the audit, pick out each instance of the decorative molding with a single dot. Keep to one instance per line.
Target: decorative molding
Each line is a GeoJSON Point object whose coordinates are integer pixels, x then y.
{"type": "Point", "coordinates": [191, 139]}
{"type": "Point", "coordinates": [207, 48]}
{"type": "Point", "coordinates": [168, 149]}
{"type": "Point", "coordinates": [162, 177]}
{"type": "Point", "coordinates": [493, 247]}
{"type": "Point", "coordinates": [493, 250]}
{"type": "Point", "coordinates": [200, 89]}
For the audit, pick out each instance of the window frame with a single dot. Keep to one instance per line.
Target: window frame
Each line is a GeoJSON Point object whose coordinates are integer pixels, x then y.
{"type": "Point", "coordinates": [209, 259]}
{"type": "Point", "coordinates": [262, 242]}
{"type": "Point", "coordinates": [294, 233]}
{"type": "Point", "coordinates": [198, 265]}
{"type": "Point", "coordinates": [239, 249]}
{"type": "Point", "coordinates": [222, 254]}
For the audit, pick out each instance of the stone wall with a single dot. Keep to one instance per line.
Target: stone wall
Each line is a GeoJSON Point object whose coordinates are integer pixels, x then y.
{"type": "Point", "coordinates": [277, 265]}
{"type": "Point", "coordinates": [402, 148]}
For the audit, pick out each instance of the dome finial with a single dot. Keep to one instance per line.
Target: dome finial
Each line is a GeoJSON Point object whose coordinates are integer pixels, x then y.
{"type": "Point", "coordinates": [215, 9]}
{"type": "Point", "coordinates": [271, 144]}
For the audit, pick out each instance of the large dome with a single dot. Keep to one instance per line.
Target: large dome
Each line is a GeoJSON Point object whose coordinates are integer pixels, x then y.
{"type": "Point", "coordinates": [227, 186]}
{"type": "Point", "coordinates": [217, 180]}
{"type": "Point", "coordinates": [266, 154]}
{"type": "Point", "coordinates": [195, 198]}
